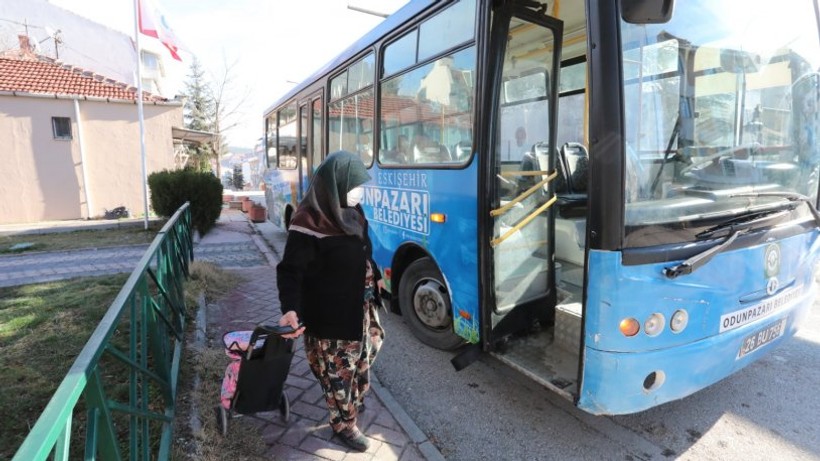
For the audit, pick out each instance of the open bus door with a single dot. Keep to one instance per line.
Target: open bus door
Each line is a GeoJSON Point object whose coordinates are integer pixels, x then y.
{"type": "Point", "coordinates": [525, 49]}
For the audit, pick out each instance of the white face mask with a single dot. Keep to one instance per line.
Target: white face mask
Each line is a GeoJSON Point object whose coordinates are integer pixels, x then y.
{"type": "Point", "coordinates": [354, 196]}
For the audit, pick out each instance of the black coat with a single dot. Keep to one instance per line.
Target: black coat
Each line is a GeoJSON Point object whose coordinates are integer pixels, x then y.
{"type": "Point", "coordinates": [322, 279]}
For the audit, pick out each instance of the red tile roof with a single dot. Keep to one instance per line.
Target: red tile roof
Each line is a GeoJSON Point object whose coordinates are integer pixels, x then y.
{"type": "Point", "coordinates": [44, 77]}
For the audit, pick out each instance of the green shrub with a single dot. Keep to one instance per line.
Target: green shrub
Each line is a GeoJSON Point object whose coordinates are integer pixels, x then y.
{"type": "Point", "coordinates": [172, 188]}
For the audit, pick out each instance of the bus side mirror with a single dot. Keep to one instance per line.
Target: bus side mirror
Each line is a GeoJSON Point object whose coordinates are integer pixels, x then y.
{"type": "Point", "coordinates": [647, 11]}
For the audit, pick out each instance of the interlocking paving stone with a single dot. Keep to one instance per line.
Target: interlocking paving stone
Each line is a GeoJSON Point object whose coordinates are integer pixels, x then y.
{"type": "Point", "coordinates": [230, 255]}
{"type": "Point", "coordinates": [50, 266]}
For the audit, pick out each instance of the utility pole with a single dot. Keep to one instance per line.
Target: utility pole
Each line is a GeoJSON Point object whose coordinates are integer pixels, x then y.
{"type": "Point", "coordinates": [366, 11]}
{"type": "Point", "coordinates": [57, 41]}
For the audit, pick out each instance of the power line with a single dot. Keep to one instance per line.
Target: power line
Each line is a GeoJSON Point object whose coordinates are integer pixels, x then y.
{"type": "Point", "coordinates": [24, 24]}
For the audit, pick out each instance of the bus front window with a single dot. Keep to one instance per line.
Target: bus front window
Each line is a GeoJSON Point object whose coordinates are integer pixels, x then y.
{"type": "Point", "coordinates": [715, 108]}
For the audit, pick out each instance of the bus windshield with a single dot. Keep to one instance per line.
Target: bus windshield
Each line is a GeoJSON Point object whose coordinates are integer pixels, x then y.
{"type": "Point", "coordinates": [718, 108]}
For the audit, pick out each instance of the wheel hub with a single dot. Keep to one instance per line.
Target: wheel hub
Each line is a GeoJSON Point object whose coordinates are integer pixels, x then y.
{"type": "Point", "coordinates": [430, 305]}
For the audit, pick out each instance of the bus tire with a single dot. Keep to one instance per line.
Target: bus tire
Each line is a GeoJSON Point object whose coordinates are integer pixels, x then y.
{"type": "Point", "coordinates": [425, 304]}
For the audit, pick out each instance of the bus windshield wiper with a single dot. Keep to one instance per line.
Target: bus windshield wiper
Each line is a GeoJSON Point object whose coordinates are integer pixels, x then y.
{"type": "Point", "coordinates": [693, 263]}
{"type": "Point", "coordinates": [790, 196]}
{"type": "Point", "coordinates": [746, 221]}
{"type": "Point", "coordinates": [735, 227]}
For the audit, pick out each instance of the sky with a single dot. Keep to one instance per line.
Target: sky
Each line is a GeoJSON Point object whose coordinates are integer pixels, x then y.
{"type": "Point", "coordinates": [268, 45]}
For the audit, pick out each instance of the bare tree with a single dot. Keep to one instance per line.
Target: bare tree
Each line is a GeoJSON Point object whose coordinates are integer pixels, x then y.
{"type": "Point", "coordinates": [214, 104]}
{"type": "Point", "coordinates": [228, 103]}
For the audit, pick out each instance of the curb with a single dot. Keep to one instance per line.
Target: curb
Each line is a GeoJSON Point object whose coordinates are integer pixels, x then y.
{"type": "Point", "coordinates": [201, 325]}
{"type": "Point", "coordinates": [133, 246]}
{"type": "Point", "coordinates": [54, 227]}
{"type": "Point", "coordinates": [425, 446]}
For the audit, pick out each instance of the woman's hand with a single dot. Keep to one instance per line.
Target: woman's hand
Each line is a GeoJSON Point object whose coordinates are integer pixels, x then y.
{"type": "Point", "coordinates": [381, 286]}
{"type": "Point", "coordinates": [292, 320]}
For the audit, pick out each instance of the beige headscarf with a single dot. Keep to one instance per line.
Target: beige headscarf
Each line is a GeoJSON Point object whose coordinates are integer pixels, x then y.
{"type": "Point", "coordinates": [323, 211]}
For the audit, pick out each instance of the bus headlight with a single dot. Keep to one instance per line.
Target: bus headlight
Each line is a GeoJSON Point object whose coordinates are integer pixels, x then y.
{"type": "Point", "coordinates": [654, 324]}
{"type": "Point", "coordinates": [679, 321]}
{"type": "Point", "coordinates": [629, 327]}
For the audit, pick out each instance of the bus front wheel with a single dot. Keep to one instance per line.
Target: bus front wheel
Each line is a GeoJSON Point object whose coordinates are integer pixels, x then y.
{"type": "Point", "coordinates": [425, 303]}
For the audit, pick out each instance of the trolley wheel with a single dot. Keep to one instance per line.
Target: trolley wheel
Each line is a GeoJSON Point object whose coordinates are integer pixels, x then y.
{"type": "Point", "coordinates": [221, 420]}
{"type": "Point", "coordinates": [284, 407]}
{"type": "Point", "coordinates": [425, 303]}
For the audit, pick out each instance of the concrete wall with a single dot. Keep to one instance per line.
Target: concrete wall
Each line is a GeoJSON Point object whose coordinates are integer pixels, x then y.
{"type": "Point", "coordinates": [42, 177]}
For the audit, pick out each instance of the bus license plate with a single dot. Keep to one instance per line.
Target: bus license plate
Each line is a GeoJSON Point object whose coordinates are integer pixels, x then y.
{"type": "Point", "coordinates": [762, 337]}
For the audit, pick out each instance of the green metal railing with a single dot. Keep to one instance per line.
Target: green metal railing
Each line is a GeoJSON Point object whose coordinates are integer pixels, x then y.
{"type": "Point", "coordinates": [127, 372]}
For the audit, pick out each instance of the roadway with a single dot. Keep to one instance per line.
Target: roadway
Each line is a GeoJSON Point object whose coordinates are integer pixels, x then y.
{"type": "Point", "coordinates": [767, 411]}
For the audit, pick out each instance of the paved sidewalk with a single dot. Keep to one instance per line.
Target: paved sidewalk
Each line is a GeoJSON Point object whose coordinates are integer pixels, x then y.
{"type": "Point", "coordinates": [307, 436]}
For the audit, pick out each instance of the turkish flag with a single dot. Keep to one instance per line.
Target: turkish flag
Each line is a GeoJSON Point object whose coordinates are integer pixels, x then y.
{"type": "Point", "coordinates": [151, 22]}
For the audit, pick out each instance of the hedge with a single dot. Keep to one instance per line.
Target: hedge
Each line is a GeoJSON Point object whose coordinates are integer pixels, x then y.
{"type": "Point", "coordinates": [172, 188]}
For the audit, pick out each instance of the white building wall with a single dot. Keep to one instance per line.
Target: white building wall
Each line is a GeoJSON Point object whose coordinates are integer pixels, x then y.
{"type": "Point", "coordinates": [43, 177]}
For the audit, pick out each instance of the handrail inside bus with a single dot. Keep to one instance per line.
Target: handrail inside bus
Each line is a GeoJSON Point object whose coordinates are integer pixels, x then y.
{"type": "Point", "coordinates": [496, 241]}
{"type": "Point", "coordinates": [505, 208]}
{"type": "Point", "coordinates": [515, 173]}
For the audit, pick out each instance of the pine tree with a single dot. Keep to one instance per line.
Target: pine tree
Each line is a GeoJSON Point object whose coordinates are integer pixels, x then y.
{"type": "Point", "coordinates": [238, 179]}
{"type": "Point", "coordinates": [199, 114]}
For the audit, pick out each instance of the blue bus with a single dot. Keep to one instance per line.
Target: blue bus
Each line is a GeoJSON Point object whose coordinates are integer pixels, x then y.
{"type": "Point", "coordinates": [615, 198]}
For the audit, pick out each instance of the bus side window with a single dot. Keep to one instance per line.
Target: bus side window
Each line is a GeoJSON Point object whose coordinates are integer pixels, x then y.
{"type": "Point", "coordinates": [432, 106]}
{"type": "Point", "coordinates": [350, 111]}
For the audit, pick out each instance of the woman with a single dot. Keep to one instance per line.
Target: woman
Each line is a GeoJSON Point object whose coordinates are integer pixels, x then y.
{"type": "Point", "coordinates": [327, 283]}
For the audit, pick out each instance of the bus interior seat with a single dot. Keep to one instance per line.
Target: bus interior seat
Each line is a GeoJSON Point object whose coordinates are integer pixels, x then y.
{"type": "Point", "coordinates": [392, 157]}
{"type": "Point", "coordinates": [432, 154]}
{"type": "Point", "coordinates": [571, 187]}
{"type": "Point", "coordinates": [577, 159]}
{"type": "Point", "coordinates": [530, 161]}
{"type": "Point", "coordinates": [444, 154]}
{"type": "Point", "coordinates": [463, 150]}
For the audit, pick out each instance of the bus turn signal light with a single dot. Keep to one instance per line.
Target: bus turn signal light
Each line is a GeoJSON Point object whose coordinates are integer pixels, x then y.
{"type": "Point", "coordinates": [438, 217]}
{"type": "Point", "coordinates": [630, 327]}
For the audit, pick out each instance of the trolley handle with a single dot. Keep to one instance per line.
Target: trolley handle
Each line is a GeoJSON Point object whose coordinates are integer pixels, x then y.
{"type": "Point", "coordinates": [278, 329]}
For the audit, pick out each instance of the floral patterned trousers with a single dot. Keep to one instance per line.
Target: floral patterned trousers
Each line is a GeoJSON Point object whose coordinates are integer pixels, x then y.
{"type": "Point", "coordinates": [343, 366]}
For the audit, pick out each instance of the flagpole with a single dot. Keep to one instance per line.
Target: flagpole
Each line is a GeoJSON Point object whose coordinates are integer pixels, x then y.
{"type": "Point", "coordinates": [140, 113]}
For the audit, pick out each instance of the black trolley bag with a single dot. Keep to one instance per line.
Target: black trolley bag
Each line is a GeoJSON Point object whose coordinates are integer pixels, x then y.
{"type": "Point", "coordinates": [263, 368]}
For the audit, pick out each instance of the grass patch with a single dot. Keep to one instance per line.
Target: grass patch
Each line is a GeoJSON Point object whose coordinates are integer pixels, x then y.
{"type": "Point", "coordinates": [209, 279]}
{"type": "Point", "coordinates": [43, 327]}
{"type": "Point", "coordinates": [243, 441]}
{"type": "Point", "coordinates": [200, 380]}
{"type": "Point", "coordinates": [99, 238]}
